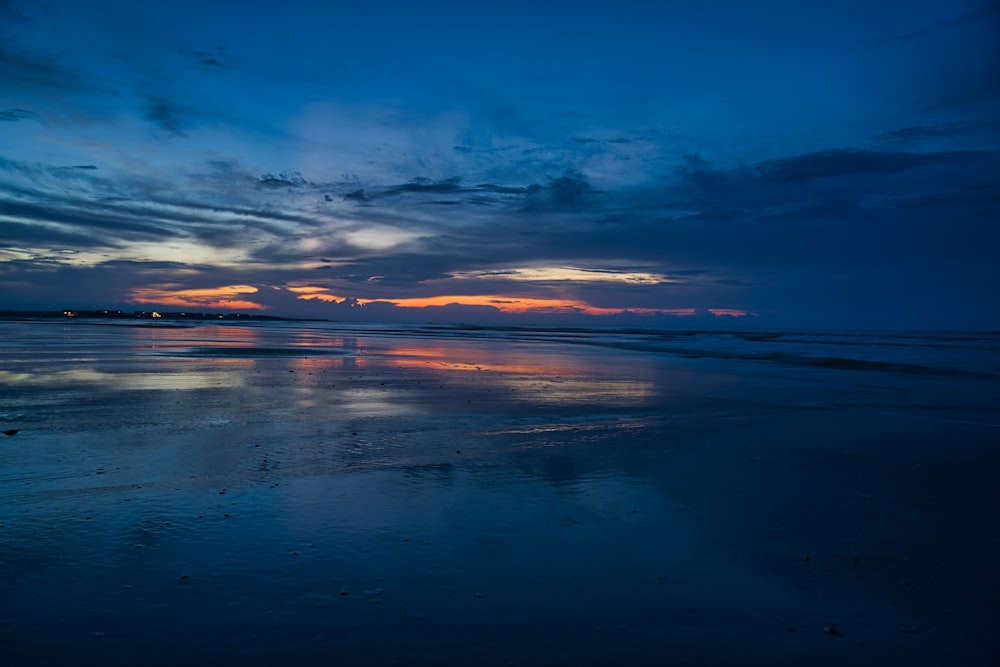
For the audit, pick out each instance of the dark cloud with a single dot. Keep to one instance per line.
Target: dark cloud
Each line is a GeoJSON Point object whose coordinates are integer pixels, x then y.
{"type": "Point", "coordinates": [987, 12]}
{"type": "Point", "coordinates": [123, 224]}
{"type": "Point", "coordinates": [282, 180]}
{"type": "Point", "coordinates": [821, 179]}
{"type": "Point", "coordinates": [217, 58]}
{"type": "Point", "coordinates": [566, 193]}
{"type": "Point", "coordinates": [27, 67]}
{"type": "Point", "coordinates": [854, 161]}
{"type": "Point", "coordinates": [480, 194]}
{"type": "Point", "coordinates": [425, 185]}
{"type": "Point", "coordinates": [416, 186]}
{"type": "Point", "coordinates": [592, 140]}
{"type": "Point", "coordinates": [18, 234]}
{"type": "Point", "coordinates": [167, 114]}
{"type": "Point", "coordinates": [921, 133]}
{"type": "Point", "coordinates": [501, 189]}
{"type": "Point", "coordinates": [28, 70]}
{"type": "Point", "coordinates": [16, 114]}
{"type": "Point", "coordinates": [357, 196]}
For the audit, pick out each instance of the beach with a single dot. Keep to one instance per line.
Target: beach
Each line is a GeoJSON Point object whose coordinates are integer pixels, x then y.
{"type": "Point", "coordinates": [321, 493]}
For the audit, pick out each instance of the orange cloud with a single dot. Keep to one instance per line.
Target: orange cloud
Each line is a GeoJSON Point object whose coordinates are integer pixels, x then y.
{"type": "Point", "coordinates": [505, 304]}
{"type": "Point", "coordinates": [509, 304]}
{"type": "Point", "coordinates": [328, 298]}
{"type": "Point", "coordinates": [227, 297]}
{"type": "Point", "coordinates": [306, 289]}
{"type": "Point", "coordinates": [313, 293]}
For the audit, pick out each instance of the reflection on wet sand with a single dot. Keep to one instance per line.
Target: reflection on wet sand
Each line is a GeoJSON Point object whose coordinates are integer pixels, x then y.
{"type": "Point", "coordinates": [304, 494]}
{"type": "Point", "coordinates": [176, 378]}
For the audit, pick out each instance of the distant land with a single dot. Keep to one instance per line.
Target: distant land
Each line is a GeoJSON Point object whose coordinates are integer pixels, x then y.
{"type": "Point", "coordinates": [143, 315]}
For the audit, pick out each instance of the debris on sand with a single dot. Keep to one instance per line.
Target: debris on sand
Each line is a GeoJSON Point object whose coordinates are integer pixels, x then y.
{"type": "Point", "coordinates": [11, 431]}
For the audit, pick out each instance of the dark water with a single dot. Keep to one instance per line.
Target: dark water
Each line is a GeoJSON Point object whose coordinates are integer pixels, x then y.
{"type": "Point", "coordinates": [321, 493]}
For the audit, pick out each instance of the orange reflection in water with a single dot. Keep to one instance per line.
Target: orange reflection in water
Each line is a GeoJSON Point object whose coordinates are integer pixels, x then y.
{"type": "Point", "coordinates": [484, 359]}
{"type": "Point", "coordinates": [178, 339]}
{"type": "Point", "coordinates": [539, 376]}
{"type": "Point", "coordinates": [512, 375]}
{"type": "Point", "coordinates": [540, 373]}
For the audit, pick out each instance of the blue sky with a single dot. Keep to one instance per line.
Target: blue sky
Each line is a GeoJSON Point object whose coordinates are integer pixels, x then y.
{"type": "Point", "coordinates": [811, 164]}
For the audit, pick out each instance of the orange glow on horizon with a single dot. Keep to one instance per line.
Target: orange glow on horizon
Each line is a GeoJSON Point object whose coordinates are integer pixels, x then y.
{"type": "Point", "coordinates": [535, 305]}
{"type": "Point", "coordinates": [233, 297]}
{"type": "Point", "coordinates": [307, 289]}
{"type": "Point", "coordinates": [505, 304]}
{"type": "Point", "coordinates": [213, 298]}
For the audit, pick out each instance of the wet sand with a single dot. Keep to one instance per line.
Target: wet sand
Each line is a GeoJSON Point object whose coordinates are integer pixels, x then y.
{"type": "Point", "coordinates": [272, 495]}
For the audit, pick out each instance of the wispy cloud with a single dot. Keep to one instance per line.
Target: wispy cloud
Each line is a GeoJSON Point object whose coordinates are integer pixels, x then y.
{"type": "Point", "coordinates": [852, 162]}
{"type": "Point", "coordinates": [218, 58]}
{"type": "Point", "coordinates": [984, 13]}
{"type": "Point", "coordinates": [922, 133]}
{"type": "Point", "coordinates": [16, 114]}
{"type": "Point", "coordinates": [168, 114]}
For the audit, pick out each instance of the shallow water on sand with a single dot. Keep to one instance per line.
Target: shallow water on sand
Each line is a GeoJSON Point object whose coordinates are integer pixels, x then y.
{"type": "Point", "coordinates": [257, 494]}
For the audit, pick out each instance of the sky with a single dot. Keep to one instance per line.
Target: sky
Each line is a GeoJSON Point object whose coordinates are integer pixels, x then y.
{"type": "Point", "coordinates": [713, 162]}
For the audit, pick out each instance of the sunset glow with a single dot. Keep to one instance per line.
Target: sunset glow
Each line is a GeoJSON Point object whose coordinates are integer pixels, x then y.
{"type": "Point", "coordinates": [309, 293]}
{"type": "Point", "coordinates": [234, 297]}
{"type": "Point", "coordinates": [505, 304]}
{"type": "Point", "coordinates": [226, 298]}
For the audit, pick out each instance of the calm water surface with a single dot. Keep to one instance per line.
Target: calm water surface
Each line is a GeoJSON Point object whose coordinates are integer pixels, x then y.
{"type": "Point", "coordinates": [255, 494]}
